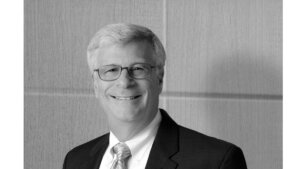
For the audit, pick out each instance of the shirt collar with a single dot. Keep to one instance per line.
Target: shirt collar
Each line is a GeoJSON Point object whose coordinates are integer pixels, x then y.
{"type": "Point", "coordinates": [139, 140]}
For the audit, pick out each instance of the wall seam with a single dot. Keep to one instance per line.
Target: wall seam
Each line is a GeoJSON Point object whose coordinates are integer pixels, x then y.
{"type": "Point", "coordinates": [165, 102]}
{"type": "Point", "coordinates": [164, 95]}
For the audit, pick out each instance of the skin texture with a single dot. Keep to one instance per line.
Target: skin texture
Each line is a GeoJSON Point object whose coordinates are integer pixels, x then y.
{"type": "Point", "coordinates": [127, 117]}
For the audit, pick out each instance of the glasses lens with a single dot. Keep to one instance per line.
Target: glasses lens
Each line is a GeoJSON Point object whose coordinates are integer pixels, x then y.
{"type": "Point", "coordinates": [140, 71]}
{"type": "Point", "coordinates": [109, 72]}
{"type": "Point", "coordinates": [137, 71]}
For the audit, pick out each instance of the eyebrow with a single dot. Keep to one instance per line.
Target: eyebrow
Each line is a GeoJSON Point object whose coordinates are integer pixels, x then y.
{"type": "Point", "coordinates": [129, 65]}
{"type": "Point", "coordinates": [110, 65]}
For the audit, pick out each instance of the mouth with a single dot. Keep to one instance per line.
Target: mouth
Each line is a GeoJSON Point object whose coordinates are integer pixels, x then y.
{"type": "Point", "coordinates": [125, 97]}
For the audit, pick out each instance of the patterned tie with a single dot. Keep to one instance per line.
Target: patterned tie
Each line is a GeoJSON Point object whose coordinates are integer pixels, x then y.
{"type": "Point", "coordinates": [121, 155]}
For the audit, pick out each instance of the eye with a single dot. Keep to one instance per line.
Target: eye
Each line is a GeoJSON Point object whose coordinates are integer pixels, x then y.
{"type": "Point", "coordinates": [111, 70]}
{"type": "Point", "coordinates": [138, 68]}
{"type": "Point", "coordinates": [138, 71]}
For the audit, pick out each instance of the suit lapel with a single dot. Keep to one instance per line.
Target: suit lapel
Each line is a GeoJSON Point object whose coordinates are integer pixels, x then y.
{"type": "Point", "coordinates": [165, 145]}
{"type": "Point", "coordinates": [95, 156]}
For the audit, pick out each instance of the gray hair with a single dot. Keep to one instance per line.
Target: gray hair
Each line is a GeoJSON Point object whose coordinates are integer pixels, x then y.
{"type": "Point", "coordinates": [122, 33]}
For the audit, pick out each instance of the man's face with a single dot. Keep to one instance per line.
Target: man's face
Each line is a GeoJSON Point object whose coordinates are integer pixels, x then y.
{"type": "Point", "coordinates": [116, 96]}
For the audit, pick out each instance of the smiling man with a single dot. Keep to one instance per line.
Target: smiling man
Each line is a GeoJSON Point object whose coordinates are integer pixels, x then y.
{"type": "Point", "coordinates": [127, 86]}
{"type": "Point", "coordinates": [127, 63]}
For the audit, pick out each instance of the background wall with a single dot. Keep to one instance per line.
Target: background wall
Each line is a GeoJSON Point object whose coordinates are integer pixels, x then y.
{"type": "Point", "coordinates": [223, 72]}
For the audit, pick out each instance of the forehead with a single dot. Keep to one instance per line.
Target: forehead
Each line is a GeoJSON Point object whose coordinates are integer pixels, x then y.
{"type": "Point", "coordinates": [125, 54]}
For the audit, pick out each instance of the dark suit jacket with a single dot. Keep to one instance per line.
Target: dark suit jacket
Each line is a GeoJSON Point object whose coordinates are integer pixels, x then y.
{"type": "Point", "coordinates": [175, 147]}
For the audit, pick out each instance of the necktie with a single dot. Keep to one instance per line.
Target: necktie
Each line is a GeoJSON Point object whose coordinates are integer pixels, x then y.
{"type": "Point", "coordinates": [121, 155]}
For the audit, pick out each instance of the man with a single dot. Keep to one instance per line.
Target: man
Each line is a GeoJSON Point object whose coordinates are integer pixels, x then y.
{"type": "Point", "coordinates": [127, 63]}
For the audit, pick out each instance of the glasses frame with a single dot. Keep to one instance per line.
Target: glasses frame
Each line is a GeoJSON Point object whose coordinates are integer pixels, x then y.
{"type": "Point", "coordinates": [127, 68]}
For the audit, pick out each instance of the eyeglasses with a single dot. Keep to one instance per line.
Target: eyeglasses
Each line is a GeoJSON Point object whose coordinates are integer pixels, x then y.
{"type": "Point", "coordinates": [136, 71]}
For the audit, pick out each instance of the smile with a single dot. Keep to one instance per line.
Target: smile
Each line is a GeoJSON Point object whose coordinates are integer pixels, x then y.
{"type": "Point", "coordinates": [125, 97]}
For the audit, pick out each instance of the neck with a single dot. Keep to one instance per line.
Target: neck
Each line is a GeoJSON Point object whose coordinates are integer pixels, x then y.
{"type": "Point", "coordinates": [126, 130]}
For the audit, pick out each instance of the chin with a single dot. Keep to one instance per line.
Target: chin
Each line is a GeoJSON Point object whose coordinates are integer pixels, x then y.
{"type": "Point", "coordinates": [127, 114]}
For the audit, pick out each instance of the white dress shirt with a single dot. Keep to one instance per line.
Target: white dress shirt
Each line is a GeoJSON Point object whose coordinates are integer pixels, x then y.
{"type": "Point", "coordinates": [140, 146]}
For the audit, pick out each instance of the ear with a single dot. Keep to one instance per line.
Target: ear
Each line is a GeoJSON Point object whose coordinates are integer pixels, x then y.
{"type": "Point", "coordinates": [160, 81]}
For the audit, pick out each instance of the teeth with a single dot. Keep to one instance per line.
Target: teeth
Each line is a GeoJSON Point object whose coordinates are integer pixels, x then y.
{"type": "Point", "coordinates": [125, 98]}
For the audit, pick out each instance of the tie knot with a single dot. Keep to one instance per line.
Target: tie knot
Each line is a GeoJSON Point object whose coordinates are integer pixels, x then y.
{"type": "Point", "coordinates": [122, 151]}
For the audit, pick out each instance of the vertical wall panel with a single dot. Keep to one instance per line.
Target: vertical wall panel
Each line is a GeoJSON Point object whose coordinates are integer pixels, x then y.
{"type": "Point", "coordinates": [224, 73]}
{"type": "Point", "coordinates": [60, 109]}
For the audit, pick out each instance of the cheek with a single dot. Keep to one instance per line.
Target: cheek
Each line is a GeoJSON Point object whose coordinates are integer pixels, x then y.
{"type": "Point", "coordinates": [153, 89]}
{"type": "Point", "coordinates": [100, 90]}
{"type": "Point", "coordinates": [156, 84]}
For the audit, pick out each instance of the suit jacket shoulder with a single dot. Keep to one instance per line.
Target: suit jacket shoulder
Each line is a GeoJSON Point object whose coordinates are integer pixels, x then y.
{"type": "Point", "coordinates": [199, 141]}
{"type": "Point", "coordinates": [182, 148]}
{"type": "Point", "coordinates": [87, 155]}
{"type": "Point", "coordinates": [208, 151]}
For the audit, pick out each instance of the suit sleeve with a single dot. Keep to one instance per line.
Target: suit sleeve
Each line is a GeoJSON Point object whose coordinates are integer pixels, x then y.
{"type": "Point", "coordinates": [234, 159]}
{"type": "Point", "coordinates": [65, 162]}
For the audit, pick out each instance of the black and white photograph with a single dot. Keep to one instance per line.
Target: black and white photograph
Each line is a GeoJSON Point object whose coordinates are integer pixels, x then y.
{"type": "Point", "coordinates": [153, 84]}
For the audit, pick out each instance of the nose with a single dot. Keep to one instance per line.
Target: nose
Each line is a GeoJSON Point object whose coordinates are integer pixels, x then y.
{"type": "Point", "coordinates": [125, 81]}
